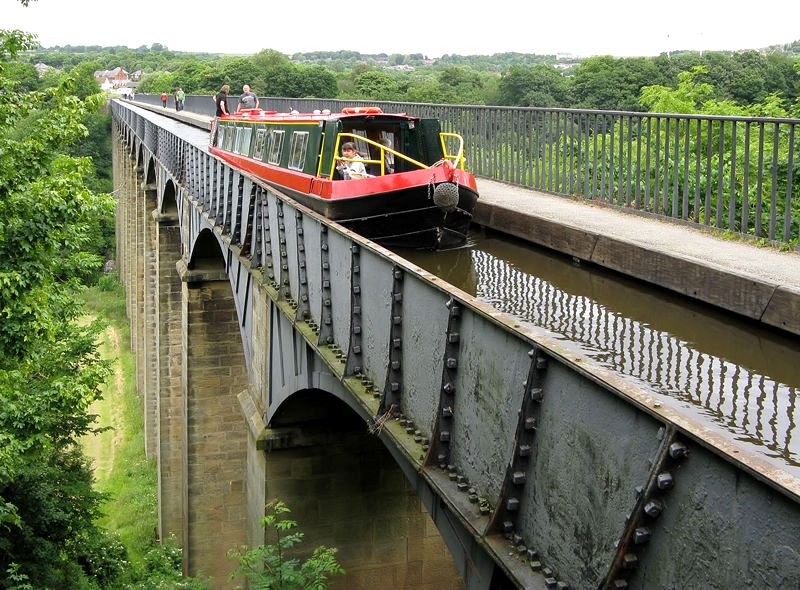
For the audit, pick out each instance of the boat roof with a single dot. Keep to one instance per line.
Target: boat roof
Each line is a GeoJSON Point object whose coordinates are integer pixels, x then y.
{"type": "Point", "coordinates": [257, 115]}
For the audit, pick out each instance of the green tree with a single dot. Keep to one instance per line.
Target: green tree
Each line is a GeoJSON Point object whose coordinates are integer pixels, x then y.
{"type": "Point", "coordinates": [49, 369]}
{"type": "Point", "coordinates": [377, 85]}
{"type": "Point", "coordinates": [278, 566]}
{"type": "Point", "coordinates": [534, 86]}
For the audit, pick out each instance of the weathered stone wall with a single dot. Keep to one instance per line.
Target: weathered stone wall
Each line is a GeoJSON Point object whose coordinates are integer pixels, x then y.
{"type": "Point", "coordinates": [213, 373]}
{"type": "Point", "coordinates": [346, 491]}
{"type": "Point", "coordinates": [171, 418]}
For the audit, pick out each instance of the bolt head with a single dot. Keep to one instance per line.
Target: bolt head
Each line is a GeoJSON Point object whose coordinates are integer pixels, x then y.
{"type": "Point", "coordinates": [664, 481]}
{"type": "Point", "coordinates": [653, 508]}
{"type": "Point", "coordinates": [678, 450]}
{"type": "Point", "coordinates": [641, 535]}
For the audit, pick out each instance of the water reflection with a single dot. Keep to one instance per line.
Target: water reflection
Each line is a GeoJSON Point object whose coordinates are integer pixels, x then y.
{"type": "Point", "coordinates": [742, 376]}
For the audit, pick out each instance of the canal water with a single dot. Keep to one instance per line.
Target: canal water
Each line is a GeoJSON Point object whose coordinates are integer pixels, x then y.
{"type": "Point", "coordinates": [742, 376]}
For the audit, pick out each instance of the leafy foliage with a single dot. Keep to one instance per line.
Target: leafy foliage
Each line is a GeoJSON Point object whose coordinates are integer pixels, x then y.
{"type": "Point", "coordinates": [49, 368]}
{"type": "Point", "coordinates": [278, 566]}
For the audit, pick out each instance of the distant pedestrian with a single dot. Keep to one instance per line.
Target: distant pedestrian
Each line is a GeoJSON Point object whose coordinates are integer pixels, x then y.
{"type": "Point", "coordinates": [164, 97]}
{"type": "Point", "coordinates": [221, 100]}
{"type": "Point", "coordinates": [248, 100]}
{"type": "Point", "coordinates": [180, 96]}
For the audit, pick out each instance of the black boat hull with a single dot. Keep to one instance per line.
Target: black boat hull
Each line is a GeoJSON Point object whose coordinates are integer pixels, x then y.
{"type": "Point", "coordinates": [406, 218]}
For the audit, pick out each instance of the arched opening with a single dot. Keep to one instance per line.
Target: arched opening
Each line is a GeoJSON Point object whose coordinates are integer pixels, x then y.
{"type": "Point", "coordinates": [169, 203]}
{"type": "Point", "coordinates": [151, 172]}
{"type": "Point", "coordinates": [206, 253]}
{"type": "Point", "coordinates": [140, 160]}
{"type": "Point", "coordinates": [345, 490]}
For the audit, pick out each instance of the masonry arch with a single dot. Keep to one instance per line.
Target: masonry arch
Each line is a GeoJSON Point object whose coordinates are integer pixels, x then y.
{"type": "Point", "coordinates": [140, 158]}
{"type": "Point", "coordinates": [206, 252]}
{"type": "Point", "coordinates": [150, 177]}
{"type": "Point", "coordinates": [169, 202]}
{"type": "Point", "coordinates": [346, 490]}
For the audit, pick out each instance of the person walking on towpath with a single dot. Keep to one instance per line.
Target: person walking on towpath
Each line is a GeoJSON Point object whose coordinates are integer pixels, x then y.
{"type": "Point", "coordinates": [164, 97]}
{"type": "Point", "coordinates": [180, 96]}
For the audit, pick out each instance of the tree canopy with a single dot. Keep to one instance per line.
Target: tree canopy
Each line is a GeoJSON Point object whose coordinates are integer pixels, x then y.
{"type": "Point", "coordinates": [49, 368]}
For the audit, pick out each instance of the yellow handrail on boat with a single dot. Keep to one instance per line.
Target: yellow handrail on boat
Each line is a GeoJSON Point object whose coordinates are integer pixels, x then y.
{"type": "Point", "coordinates": [457, 158]}
{"type": "Point", "coordinates": [381, 162]}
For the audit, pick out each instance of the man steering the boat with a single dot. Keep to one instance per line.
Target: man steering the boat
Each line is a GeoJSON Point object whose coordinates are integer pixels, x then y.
{"type": "Point", "coordinates": [351, 166]}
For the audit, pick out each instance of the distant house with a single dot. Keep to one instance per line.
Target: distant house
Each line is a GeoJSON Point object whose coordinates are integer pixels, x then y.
{"type": "Point", "coordinates": [400, 68]}
{"type": "Point", "coordinates": [137, 75]}
{"type": "Point", "coordinates": [42, 69]}
{"type": "Point", "coordinates": [109, 79]}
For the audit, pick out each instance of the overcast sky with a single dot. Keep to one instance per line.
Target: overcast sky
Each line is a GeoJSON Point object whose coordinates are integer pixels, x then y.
{"type": "Point", "coordinates": [580, 27]}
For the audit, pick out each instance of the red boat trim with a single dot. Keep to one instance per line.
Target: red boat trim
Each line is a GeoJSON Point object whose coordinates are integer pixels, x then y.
{"type": "Point", "coordinates": [328, 189]}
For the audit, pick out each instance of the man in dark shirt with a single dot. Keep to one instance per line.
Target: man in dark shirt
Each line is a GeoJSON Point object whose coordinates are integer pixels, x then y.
{"type": "Point", "coordinates": [221, 100]}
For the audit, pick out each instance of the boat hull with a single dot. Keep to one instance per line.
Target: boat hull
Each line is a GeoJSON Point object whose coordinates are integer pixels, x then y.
{"type": "Point", "coordinates": [396, 210]}
{"type": "Point", "coordinates": [405, 218]}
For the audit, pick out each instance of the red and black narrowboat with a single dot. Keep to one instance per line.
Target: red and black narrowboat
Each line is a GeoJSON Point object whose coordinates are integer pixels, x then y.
{"type": "Point", "coordinates": [415, 193]}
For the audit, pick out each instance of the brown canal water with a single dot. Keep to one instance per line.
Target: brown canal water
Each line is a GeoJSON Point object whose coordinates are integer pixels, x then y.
{"type": "Point", "coordinates": [740, 375]}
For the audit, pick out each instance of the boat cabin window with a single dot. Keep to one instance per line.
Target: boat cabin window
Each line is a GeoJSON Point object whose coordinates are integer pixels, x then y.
{"type": "Point", "coordinates": [230, 134]}
{"type": "Point", "coordinates": [275, 146]}
{"type": "Point", "coordinates": [220, 137]}
{"type": "Point", "coordinates": [297, 155]}
{"type": "Point", "coordinates": [258, 148]}
{"type": "Point", "coordinates": [243, 135]}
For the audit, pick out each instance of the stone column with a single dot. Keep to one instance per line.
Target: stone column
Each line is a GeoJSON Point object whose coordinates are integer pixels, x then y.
{"type": "Point", "coordinates": [149, 368]}
{"type": "Point", "coordinates": [214, 373]}
{"type": "Point", "coordinates": [170, 402]}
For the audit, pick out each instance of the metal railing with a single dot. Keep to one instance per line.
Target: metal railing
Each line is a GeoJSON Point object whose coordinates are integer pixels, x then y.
{"type": "Point", "coordinates": [736, 174]}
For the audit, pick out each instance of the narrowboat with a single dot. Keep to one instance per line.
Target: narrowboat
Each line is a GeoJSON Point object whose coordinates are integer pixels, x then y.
{"type": "Point", "coordinates": [413, 191]}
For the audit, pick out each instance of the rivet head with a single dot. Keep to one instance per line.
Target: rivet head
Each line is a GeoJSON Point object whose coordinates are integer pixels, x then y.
{"type": "Point", "coordinates": [518, 477]}
{"type": "Point", "coordinates": [664, 480]}
{"type": "Point", "coordinates": [653, 508]}
{"type": "Point", "coordinates": [512, 504]}
{"type": "Point", "coordinates": [630, 561]}
{"type": "Point", "coordinates": [641, 535]}
{"type": "Point", "coordinates": [444, 436]}
{"type": "Point", "coordinates": [678, 450]}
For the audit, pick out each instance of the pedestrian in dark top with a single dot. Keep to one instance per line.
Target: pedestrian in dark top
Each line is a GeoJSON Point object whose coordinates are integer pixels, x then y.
{"type": "Point", "coordinates": [248, 100]}
{"type": "Point", "coordinates": [221, 100]}
{"type": "Point", "coordinates": [164, 97]}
